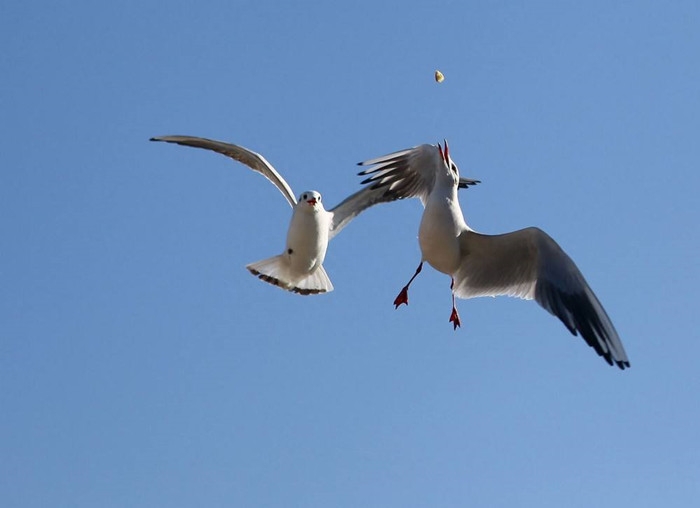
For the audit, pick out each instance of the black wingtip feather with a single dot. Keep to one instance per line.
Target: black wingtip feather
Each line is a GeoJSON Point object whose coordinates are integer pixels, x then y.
{"type": "Point", "coordinates": [367, 180]}
{"type": "Point", "coordinates": [581, 319]}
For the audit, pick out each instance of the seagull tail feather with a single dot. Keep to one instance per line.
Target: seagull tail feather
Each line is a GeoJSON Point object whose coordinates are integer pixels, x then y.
{"type": "Point", "coordinates": [277, 271]}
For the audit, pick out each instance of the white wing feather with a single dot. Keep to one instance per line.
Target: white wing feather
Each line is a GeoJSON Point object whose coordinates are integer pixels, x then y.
{"type": "Point", "coordinates": [406, 173]}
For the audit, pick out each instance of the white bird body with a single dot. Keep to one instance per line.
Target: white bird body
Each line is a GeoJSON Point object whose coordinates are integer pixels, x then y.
{"type": "Point", "coordinates": [299, 268]}
{"type": "Point", "coordinates": [438, 234]}
{"type": "Point", "coordinates": [526, 263]}
{"type": "Point", "coordinates": [307, 238]}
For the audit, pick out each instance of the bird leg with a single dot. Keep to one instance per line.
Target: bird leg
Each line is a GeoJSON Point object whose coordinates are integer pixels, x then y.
{"type": "Point", "coordinates": [454, 317]}
{"type": "Point", "coordinates": [403, 295]}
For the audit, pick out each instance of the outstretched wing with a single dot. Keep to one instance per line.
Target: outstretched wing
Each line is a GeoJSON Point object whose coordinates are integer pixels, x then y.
{"type": "Point", "coordinates": [406, 173]}
{"type": "Point", "coordinates": [253, 160]}
{"type": "Point", "coordinates": [398, 175]}
{"type": "Point", "coordinates": [529, 264]}
{"type": "Point", "coordinates": [355, 204]}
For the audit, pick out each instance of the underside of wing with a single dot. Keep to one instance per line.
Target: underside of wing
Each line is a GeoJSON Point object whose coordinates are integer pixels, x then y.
{"type": "Point", "coordinates": [355, 204]}
{"type": "Point", "coordinates": [529, 264]}
{"type": "Point", "coordinates": [253, 160]}
{"type": "Point", "coordinates": [494, 265]}
{"type": "Point", "coordinates": [563, 291]}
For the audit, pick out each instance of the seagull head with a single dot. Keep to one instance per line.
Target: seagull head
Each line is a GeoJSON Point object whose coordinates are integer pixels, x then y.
{"type": "Point", "coordinates": [452, 169]}
{"type": "Point", "coordinates": [310, 199]}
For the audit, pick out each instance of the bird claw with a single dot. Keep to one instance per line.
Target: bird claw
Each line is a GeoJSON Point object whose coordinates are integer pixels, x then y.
{"type": "Point", "coordinates": [402, 298]}
{"type": "Point", "coordinates": [454, 318]}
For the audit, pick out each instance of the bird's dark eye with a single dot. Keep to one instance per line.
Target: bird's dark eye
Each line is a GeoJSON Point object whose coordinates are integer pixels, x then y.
{"type": "Point", "coordinates": [319, 198]}
{"type": "Point", "coordinates": [303, 197]}
{"type": "Point", "coordinates": [453, 167]}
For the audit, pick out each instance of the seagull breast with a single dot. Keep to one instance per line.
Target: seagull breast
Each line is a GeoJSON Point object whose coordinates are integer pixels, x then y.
{"type": "Point", "coordinates": [440, 227]}
{"type": "Point", "coordinates": [307, 238]}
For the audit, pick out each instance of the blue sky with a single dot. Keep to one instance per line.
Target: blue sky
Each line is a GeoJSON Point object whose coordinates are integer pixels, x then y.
{"type": "Point", "coordinates": [142, 365]}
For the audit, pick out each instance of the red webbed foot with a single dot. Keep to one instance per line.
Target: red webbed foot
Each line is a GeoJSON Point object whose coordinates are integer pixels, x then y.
{"type": "Point", "coordinates": [454, 318]}
{"type": "Point", "coordinates": [402, 298]}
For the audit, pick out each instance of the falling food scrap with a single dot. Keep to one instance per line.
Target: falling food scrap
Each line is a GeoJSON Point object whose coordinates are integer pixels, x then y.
{"type": "Point", "coordinates": [439, 77]}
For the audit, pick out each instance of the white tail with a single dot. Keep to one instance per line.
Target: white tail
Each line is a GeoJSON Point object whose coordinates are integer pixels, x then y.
{"type": "Point", "coordinates": [317, 282]}
{"type": "Point", "coordinates": [277, 271]}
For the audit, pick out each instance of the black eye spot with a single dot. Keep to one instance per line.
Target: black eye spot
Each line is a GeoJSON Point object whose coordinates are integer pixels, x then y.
{"type": "Point", "coordinates": [303, 197]}
{"type": "Point", "coordinates": [290, 251]}
{"type": "Point", "coordinates": [319, 198]}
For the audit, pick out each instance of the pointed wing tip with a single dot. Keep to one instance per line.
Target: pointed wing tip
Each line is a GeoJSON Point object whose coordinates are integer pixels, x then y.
{"type": "Point", "coordinates": [167, 139]}
{"type": "Point", "coordinates": [466, 185]}
{"type": "Point", "coordinates": [367, 180]}
{"type": "Point", "coordinates": [614, 362]}
{"type": "Point", "coordinates": [609, 358]}
{"type": "Point", "coordinates": [621, 364]}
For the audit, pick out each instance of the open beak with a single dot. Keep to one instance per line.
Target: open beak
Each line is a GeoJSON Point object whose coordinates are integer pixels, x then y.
{"type": "Point", "coordinates": [311, 201]}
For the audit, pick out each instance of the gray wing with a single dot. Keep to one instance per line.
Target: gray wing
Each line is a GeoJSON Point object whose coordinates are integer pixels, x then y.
{"type": "Point", "coordinates": [253, 160]}
{"type": "Point", "coordinates": [529, 264]}
{"type": "Point", "coordinates": [355, 204]}
{"type": "Point", "coordinates": [406, 173]}
{"type": "Point", "coordinates": [465, 183]}
{"type": "Point", "coordinates": [398, 175]}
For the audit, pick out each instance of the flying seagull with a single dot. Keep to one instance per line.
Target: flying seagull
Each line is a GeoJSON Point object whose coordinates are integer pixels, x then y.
{"type": "Point", "coordinates": [526, 263]}
{"type": "Point", "coordinates": [299, 268]}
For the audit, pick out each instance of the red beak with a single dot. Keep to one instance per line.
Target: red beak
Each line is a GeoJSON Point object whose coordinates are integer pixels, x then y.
{"type": "Point", "coordinates": [311, 201]}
